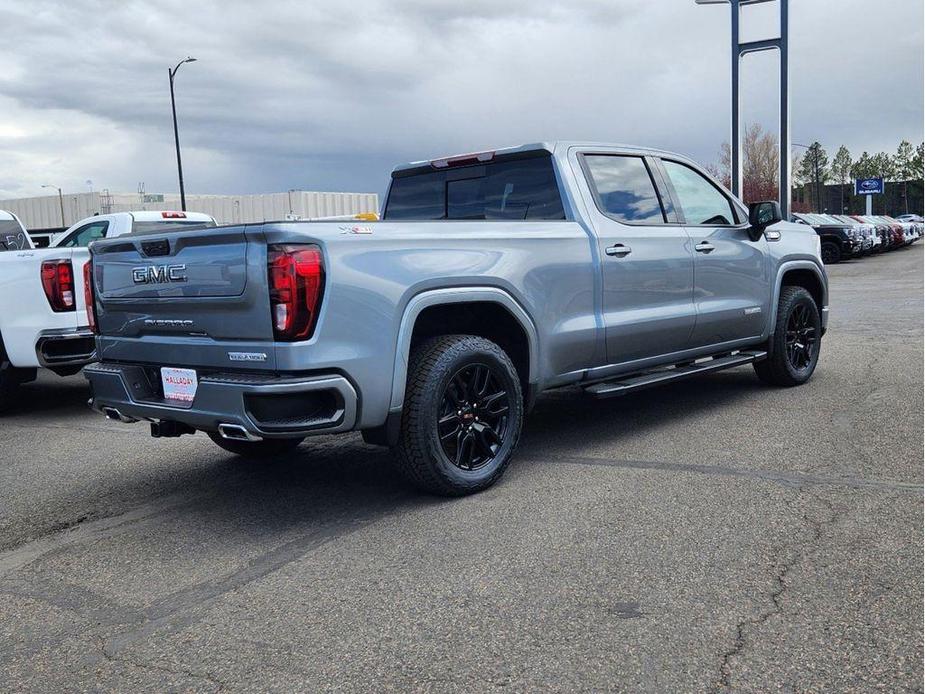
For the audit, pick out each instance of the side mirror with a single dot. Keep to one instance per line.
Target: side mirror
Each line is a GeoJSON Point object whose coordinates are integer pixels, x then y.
{"type": "Point", "coordinates": [762, 215]}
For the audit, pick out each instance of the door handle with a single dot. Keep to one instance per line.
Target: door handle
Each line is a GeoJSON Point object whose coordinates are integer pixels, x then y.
{"type": "Point", "coordinates": [618, 250]}
{"type": "Point", "coordinates": [704, 247]}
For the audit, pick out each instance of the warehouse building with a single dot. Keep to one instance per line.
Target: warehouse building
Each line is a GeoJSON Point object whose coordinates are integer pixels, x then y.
{"type": "Point", "coordinates": [49, 214]}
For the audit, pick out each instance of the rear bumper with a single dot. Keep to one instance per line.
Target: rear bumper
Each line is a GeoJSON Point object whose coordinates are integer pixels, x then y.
{"type": "Point", "coordinates": [65, 349]}
{"type": "Point", "coordinates": [265, 406]}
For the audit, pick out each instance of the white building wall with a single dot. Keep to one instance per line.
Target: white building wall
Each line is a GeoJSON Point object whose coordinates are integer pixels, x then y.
{"type": "Point", "coordinates": [44, 212]}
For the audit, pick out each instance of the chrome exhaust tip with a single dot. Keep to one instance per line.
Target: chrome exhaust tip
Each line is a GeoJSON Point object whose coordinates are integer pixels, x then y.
{"type": "Point", "coordinates": [116, 416]}
{"type": "Point", "coordinates": [235, 432]}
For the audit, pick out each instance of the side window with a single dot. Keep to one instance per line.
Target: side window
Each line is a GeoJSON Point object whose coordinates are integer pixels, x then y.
{"type": "Point", "coordinates": [624, 188]}
{"type": "Point", "coordinates": [82, 236]}
{"type": "Point", "coordinates": [701, 201]}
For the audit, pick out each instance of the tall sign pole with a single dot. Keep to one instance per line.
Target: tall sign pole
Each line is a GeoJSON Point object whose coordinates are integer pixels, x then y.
{"type": "Point", "coordinates": [739, 49]}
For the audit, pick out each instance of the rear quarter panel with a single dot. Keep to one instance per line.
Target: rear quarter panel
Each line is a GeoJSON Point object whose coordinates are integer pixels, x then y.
{"type": "Point", "coordinates": [26, 311]}
{"type": "Point", "coordinates": [373, 271]}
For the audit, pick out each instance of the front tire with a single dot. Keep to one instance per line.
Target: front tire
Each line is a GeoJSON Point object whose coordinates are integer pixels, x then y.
{"type": "Point", "coordinates": [831, 253]}
{"type": "Point", "coordinates": [462, 417]}
{"type": "Point", "coordinates": [258, 450]}
{"type": "Point", "coordinates": [794, 347]}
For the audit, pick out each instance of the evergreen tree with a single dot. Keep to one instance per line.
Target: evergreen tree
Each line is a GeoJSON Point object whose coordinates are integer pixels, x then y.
{"type": "Point", "coordinates": [815, 168]}
{"type": "Point", "coordinates": [904, 169]}
{"type": "Point", "coordinates": [841, 172]}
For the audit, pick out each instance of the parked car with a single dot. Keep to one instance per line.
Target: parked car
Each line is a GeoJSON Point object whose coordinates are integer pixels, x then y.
{"type": "Point", "coordinates": [46, 325]}
{"type": "Point", "coordinates": [909, 228]}
{"type": "Point", "coordinates": [893, 231]}
{"type": "Point", "coordinates": [120, 223]}
{"type": "Point", "coordinates": [873, 240]}
{"type": "Point", "coordinates": [492, 277]}
{"type": "Point", "coordinates": [13, 235]}
{"type": "Point", "coordinates": [839, 241]}
{"type": "Point", "coordinates": [915, 218]}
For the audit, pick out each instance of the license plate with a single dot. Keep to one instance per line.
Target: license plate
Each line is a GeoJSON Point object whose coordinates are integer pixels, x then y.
{"type": "Point", "coordinates": [179, 384]}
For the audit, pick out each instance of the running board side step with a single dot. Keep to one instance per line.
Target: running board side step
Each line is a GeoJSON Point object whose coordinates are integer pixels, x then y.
{"type": "Point", "coordinates": [630, 384]}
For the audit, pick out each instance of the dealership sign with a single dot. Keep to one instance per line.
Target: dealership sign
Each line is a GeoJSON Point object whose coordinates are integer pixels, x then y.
{"type": "Point", "coordinates": [868, 186]}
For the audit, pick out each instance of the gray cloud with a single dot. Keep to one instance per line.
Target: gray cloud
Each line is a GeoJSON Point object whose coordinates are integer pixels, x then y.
{"type": "Point", "coordinates": [331, 95]}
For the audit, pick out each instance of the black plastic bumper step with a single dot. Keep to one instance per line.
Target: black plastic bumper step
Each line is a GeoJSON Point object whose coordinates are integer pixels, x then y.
{"type": "Point", "coordinates": [629, 384]}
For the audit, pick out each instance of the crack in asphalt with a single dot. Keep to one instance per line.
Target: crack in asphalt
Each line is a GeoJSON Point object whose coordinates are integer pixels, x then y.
{"type": "Point", "coordinates": [192, 674]}
{"type": "Point", "coordinates": [803, 548]}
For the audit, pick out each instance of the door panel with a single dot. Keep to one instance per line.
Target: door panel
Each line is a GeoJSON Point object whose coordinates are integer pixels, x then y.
{"type": "Point", "coordinates": [732, 289]}
{"type": "Point", "coordinates": [648, 293]}
{"type": "Point", "coordinates": [647, 261]}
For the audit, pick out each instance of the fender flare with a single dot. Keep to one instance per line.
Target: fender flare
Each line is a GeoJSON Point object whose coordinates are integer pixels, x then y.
{"type": "Point", "coordinates": [455, 295]}
{"type": "Point", "coordinates": [785, 267]}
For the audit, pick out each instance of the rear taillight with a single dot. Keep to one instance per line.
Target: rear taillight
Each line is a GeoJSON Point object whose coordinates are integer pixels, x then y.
{"type": "Point", "coordinates": [88, 296]}
{"type": "Point", "coordinates": [296, 279]}
{"type": "Point", "coordinates": [58, 282]}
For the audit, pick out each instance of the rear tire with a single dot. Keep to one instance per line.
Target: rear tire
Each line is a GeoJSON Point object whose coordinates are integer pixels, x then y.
{"type": "Point", "coordinates": [794, 347]}
{"type": "Point", "coordinates": [10, 379]}
{"type": "Point", "coordinates": [462, 416]}
{"type": "Point", "coordinates": [831, 253]}
{"type": "Point", "coordinates": [263, 449]}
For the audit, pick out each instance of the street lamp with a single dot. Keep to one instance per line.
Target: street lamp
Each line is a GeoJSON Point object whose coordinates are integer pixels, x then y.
{"type": "Point", "coordinates": [739, 49]}
{"type": "Point", "coordinates": [60, 201]}
{"type": "Point", "coordinates": [176, 134]}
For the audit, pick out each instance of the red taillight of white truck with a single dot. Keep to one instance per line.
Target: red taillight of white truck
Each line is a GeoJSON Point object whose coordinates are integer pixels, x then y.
{"type": "Point", "coordinates": [88, 296]}
{"type": "Point", "coordinates": [58, 283]}
{"type": "Point", "coordinates": [295, 274]}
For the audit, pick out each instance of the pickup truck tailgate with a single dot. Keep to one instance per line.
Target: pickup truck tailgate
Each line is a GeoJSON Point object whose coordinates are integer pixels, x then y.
{"type": "Point", "coordinates": [194, 298]}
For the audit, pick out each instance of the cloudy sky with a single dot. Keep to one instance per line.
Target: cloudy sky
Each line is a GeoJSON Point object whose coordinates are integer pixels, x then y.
{"type": "Point", "coordinates": [330, 95]}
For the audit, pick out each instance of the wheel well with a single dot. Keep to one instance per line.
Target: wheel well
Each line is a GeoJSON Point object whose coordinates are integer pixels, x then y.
{"type": "Point", "coordinates": [832, 239]}
{"type": "Point", "coordinates": [806, 279]}
{"type": "Point", "coordinates": [483, 318]}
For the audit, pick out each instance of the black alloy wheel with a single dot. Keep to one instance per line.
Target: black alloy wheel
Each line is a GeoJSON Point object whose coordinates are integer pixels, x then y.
{"type": "Point", "coordinates": [473, 418]}
{"type": "Point", "coordinates": [801, 338]}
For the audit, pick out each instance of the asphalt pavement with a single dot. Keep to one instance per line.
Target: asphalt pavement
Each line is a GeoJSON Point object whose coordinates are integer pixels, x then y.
{"type": "Point", "coordinates": [713, 535]}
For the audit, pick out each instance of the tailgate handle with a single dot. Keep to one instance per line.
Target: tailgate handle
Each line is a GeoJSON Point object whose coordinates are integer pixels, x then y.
{"type": "Point", "coordinates": [153, 248]}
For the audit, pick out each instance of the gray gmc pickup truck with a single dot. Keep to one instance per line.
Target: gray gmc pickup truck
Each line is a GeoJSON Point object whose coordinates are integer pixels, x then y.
{"type": "Point", "coordinates": [491, 277]}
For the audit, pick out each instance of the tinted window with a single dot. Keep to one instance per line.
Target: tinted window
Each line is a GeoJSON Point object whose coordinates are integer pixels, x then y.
{"type": "Point", "coordinates": [417, 197]}
{"type": "Point", "coordinates": [82, 236]}
{"type": "Point", "coordinates": [12, 237]}
{"type": "Point", "coordinates": [624, 188]}
{"type": "Point", "coordinates": [515, 190]}
{"type": "Point", "coordinates": [702, 202]}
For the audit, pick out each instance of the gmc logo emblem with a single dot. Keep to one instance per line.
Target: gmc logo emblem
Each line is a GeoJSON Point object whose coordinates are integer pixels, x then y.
{"type": "Point", "coordinates": [159, 274]}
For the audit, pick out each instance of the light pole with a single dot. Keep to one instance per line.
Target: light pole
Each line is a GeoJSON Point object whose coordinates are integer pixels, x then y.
{"type": "Point", "coordinates": [176, 134]}
{"type": "Point", "coordinates": [739, 49]}
{"type": "Point", "coordinates": [60, 201]}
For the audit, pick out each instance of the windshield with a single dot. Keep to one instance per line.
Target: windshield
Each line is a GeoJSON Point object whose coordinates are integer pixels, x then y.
{"type": "Point", "coordinates": [12, 237]}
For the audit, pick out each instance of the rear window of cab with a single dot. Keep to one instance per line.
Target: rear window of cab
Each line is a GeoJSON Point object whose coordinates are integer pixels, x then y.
{"type": "Point", "coordinates": [513, 189]}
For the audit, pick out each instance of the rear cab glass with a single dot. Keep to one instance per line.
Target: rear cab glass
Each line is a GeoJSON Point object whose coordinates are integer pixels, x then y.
{"type": "Point", "coordinates": [169, 225]}
{"type": "Point", "coordinates": [521, 188]}
{"type": "Point", "coordinates": [12, 236]}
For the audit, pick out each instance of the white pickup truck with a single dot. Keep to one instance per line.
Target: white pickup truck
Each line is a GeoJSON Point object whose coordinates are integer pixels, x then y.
{"type": "Point", "coordinates": [43, 322]}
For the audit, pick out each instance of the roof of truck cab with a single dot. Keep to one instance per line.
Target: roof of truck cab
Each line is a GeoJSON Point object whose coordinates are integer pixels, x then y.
{"type": "Point", "coordinates": [6, 216]}
{"type": "Point", "coordinates": [537, 147]}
